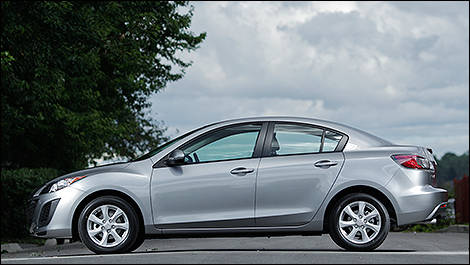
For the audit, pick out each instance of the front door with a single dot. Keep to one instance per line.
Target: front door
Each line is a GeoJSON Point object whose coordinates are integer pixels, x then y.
{"type": "Point", "coordinates": [298, 168]}
{"type": "Point", "coordinates": [215, 188]}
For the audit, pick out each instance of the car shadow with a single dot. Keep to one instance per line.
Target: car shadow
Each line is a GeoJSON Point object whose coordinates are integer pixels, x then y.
{"type": "Point", "coordinates": [271, 250]}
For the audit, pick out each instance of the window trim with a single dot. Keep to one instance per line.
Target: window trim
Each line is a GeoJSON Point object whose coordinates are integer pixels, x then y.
{"type": "Point", "coordinates": [270, 134]}
{"type": "Point", "coordinates": [257, 153]}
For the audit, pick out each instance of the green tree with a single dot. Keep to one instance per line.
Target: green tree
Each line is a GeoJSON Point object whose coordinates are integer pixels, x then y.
{"type": "Point", "coordinates": [76, 77]}
{"type": "Point", "coordinates": [452, 166]}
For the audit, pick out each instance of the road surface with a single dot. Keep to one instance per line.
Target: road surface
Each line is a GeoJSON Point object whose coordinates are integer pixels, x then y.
{"type": "Point", "coordinates": [398, 248]}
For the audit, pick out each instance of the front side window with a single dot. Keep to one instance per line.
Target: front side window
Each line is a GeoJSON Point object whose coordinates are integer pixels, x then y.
{"type": "Point", "coordinates": [166, 145]}
{"type": "Point", "coordinates": [291, 139]}
{"type": "Point", "coordinates": [235, 142]}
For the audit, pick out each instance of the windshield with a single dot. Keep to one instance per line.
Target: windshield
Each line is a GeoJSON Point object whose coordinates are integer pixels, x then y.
{"type": "Point", "coordinates": [167, 144]}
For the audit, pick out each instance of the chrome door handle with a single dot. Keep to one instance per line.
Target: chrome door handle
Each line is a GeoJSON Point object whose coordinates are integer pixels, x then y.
{"type": "Point", "coordinates": [325, 163]}
{"type": "Point", "coordinates": [241, 170]}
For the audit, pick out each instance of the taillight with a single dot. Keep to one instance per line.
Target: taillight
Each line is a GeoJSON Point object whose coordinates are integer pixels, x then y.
{"type": "Point", "coordinates": [412, 161]}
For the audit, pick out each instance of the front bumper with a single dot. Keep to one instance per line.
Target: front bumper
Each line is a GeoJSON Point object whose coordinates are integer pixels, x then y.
{"type": "Point", "coordinates": [50, 215]}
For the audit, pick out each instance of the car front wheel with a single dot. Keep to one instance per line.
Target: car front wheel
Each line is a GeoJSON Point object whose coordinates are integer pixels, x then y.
{"type": "Point", "coordinates": [359, 222]}
{"type": "Point", "coordinates": [109, 224]}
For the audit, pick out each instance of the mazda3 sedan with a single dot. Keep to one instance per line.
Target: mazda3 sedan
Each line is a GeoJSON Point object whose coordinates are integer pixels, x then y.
{"type": "Point", "coordinates": [256, 177]}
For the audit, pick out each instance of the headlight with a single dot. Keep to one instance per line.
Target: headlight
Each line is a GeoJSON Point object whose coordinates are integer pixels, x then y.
{"type": "Point", "coordinates": [63, 183]}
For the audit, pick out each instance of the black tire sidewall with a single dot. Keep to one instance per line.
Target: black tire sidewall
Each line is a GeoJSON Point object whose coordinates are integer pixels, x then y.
{"type": "Point", "coordinates": [133, 233]}
{"type": "Point", "coordinates": [138, 242]}
{"type": "Point", "coordinates": [334, 228]}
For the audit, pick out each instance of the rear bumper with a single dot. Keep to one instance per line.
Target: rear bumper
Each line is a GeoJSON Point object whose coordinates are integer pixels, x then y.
{"type": "Point", "coordinates": [438, 212]}
{"type": "Point", "coordinates": [421, 204]}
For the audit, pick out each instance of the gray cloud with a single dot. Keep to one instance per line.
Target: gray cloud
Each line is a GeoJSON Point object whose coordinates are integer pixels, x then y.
{"type": "Point", "coordinates": [397, 70]}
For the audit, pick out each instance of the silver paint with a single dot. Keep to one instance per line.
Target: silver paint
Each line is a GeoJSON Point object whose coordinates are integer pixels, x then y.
{"type": "Point", "coordinates": [282, 194]}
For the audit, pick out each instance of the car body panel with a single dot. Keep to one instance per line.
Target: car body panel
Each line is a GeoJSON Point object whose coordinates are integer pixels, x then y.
{"type": "Point", "coordinates": [132, 180]}
{"type": "Point", "coordinates": [204, 195]}
{"type": "Point", "coordinates": [61, 223]}
{"type": "Point", "coordinates": [290, 189]}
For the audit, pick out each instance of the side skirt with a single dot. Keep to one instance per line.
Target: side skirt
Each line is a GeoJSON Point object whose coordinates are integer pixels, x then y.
{"type": "Point", "coordinates": [169, 234]}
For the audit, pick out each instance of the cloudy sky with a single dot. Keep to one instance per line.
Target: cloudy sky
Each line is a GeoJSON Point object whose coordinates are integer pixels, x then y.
{"type": "Point", "coordinates": [397, 70]}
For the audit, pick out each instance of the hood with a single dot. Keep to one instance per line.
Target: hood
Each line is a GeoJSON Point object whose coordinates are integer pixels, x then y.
{"type": "Point", "coordinates": [115, 167]}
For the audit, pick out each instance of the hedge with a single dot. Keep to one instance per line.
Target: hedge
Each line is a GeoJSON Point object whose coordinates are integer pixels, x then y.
{"type": "Point", "coordinates": [18, 186]}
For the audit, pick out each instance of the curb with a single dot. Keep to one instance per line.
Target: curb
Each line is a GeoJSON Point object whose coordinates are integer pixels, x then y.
{"type": "Point", "coordinates": [11, 248]}
{"type": "Point", "coordinates": [16, 247]}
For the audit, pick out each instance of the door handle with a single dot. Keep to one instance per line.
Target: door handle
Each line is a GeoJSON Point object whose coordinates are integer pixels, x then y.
{"type": "Point", "coordinates": [325, 163]}
{"type": "Point", "coordinates": [241, 170]}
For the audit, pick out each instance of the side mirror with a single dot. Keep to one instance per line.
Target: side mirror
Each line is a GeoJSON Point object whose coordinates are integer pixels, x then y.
{"type": "Point", "coordinates": [176, 157]}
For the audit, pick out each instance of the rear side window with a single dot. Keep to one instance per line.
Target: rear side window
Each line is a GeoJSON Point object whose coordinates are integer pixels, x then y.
{"type": "Point", "coordinates": [331, 141]}
{"type": "Point", "coordinates": [291, 139]}
{"type": "Point", "coordinates": [295, 139]}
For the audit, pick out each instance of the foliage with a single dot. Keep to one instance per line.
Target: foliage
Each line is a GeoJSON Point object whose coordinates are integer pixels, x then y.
{"type": "Point", "coordinates": [24, 240]}
{"type": "Point", "coordinates": [449, 187]}
{"type": "Point", "coordinates": [76, 78]}
{"type": "Point", "coordinates": [452, 166]}
{"type": "Point", "coordinates": [18, 186]}
{"type": "Point", "coordinates": [431, 227]}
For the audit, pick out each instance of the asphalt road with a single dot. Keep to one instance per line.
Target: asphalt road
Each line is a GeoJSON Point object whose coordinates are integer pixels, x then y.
{"type": "Point", "coordinates": [398, 248]}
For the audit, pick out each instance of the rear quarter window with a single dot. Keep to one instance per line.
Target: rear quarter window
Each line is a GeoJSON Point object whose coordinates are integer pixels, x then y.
{"type": "Point", "coordinates": [331, 141]}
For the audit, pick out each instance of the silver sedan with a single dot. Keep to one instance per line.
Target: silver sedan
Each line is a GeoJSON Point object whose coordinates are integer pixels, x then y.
{"type": "Point", "coordinates": [253, 176]}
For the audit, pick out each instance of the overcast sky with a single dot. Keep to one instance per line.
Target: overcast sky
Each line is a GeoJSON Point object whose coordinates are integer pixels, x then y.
{"type": "Point", "coordinates": [397, 70]}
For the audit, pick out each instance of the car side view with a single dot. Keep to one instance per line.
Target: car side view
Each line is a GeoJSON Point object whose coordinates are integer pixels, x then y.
{"type": "Point", "coordinates": [253, 176]}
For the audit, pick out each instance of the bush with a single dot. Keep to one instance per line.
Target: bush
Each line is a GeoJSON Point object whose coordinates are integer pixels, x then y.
{"type": "Point", "coordinates": [441, 224]}
{"type": "Point", "coordinates": [18, 186]}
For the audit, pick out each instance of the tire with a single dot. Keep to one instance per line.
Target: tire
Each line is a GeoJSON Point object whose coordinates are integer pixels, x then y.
{"type": "Point", "coordinates": [138, 242]}
{"type": "Point", "coordinates": [350, 234]}
{"type": "Point", "coordinates": [118, 233]}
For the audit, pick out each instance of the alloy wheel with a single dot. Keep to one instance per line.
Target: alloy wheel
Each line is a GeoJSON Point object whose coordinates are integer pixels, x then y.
{"type": "Point", "coordinates": [108, 225]}
{"type": "Point", "coordinates": [359, 222]}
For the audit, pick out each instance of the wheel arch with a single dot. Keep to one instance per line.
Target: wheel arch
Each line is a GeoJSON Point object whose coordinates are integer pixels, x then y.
{"type": "Point", "coordinates": [101, 193]}
{"type": "Point", "coordinates": [360, 189]}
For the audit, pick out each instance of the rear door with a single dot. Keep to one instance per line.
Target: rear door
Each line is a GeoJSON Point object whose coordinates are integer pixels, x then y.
{"type": "Point", "coordinates": [299, 165]}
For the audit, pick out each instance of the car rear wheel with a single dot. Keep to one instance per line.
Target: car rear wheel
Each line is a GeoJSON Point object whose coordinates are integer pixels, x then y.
{"type": "Point", "coordinates": [359, 222]}
{"type": "Point", "coordinates": [109, 224]}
